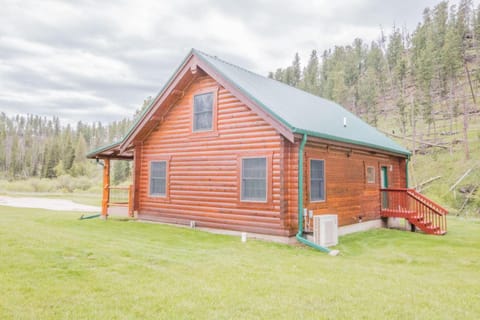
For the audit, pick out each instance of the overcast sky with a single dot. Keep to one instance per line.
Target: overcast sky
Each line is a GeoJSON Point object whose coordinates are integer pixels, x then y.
{"type": "Point", "coordinates": [95, 60]}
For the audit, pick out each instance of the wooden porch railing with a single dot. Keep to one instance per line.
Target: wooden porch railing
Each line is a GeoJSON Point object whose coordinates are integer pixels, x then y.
{"type": "Point", "coordinates": [119, 196]}
{"type": "Point", "coordinates": [424, 213]}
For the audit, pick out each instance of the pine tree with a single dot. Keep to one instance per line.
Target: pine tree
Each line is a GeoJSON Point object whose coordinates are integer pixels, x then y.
{"type": "Point", "coordinates": [288, 76]}
{"type": "Point", "coordinates": [311, 75]}
{"type": "Point", "coordinates": [296, 70]}
{"type": "Point", "coordinates": [279, 75]}
{"type": "Point", "coordinates": [51, 161]}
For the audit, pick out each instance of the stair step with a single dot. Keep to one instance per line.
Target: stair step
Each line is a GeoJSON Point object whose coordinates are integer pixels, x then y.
{"type": "Point", "coordinates": [419, 218]}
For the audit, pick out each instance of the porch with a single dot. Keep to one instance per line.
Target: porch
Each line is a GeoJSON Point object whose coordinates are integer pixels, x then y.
{"type": "Point", "coordinates": [417, 209]}
{"type": "Point", "coordinates": [115, 199]}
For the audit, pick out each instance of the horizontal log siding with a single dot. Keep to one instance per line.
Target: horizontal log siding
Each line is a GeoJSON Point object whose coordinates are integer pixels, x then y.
{"type": "Point", "coordinates": [347, 192]}
{"type": "Point", "coordinates": [290, 178]}
{"type": "Point", "coordinates": [204, 169]}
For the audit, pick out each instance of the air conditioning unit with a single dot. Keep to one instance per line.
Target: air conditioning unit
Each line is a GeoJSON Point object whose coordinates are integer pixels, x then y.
{"type": "Point", "coordinates": [325, 230]}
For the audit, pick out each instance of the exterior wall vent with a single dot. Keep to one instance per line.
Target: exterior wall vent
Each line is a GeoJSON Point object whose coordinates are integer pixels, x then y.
{"type": "Point", "coordinates": [325, 230]}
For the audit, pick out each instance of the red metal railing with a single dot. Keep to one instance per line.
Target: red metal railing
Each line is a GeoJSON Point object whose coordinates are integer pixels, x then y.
{"type": "Point", "coordinates": [418, 209]}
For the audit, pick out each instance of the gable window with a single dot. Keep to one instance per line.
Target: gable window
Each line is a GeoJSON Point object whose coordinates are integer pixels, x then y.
{"type": "Point", "coordinates": [203, 112]}
{"type": "Point", "coordinates": [317, 180]}
{"type": "Point", "coordinates": [254, 179]}
{"type": "Point", "coordinates": [158, 178]}
{"type": "Point", "coordinates": [370, 174]}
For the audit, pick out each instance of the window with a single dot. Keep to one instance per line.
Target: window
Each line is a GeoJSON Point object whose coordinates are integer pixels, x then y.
{"type": "Point", "coordinates": [370, 174]}
{"type": "Point", "coordinates": [203, 112]}
{"type": "Point", "coordinates": [317, 180]}
{"type": "Point", "coordinates": [254, 179]}
{"type": "Point", "coordinates": [158, 178]}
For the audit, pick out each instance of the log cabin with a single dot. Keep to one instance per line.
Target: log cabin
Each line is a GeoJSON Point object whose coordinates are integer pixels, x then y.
{"type": "Point", "coordinates": [225, 148]}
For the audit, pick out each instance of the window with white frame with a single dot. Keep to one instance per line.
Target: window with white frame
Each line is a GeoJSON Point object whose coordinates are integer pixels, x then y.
{"type": "Point", "coordinates": [254, 179]}
{"type": "Point", "coordinates": [158, 178]}
{"type": "Point", "coordinates": [317, 180]}
{"type": "Point", "coordinates": [203, 112]}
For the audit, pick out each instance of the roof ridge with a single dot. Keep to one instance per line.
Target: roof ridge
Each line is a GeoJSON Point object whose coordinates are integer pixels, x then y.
{"type": "Point", "coordinates": [234, 65]}
{"type": "Point", "coordinates": [262, 76]}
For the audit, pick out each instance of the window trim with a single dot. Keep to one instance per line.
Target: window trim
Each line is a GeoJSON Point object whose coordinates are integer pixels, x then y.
{"type": "Point", "coordinates": [268, 204]}
{"type": "Point", "coordinates": [310, 181]}
{"type": "Point", "coordinates": [374, 181]}
{"type": "Point", "coordinates": [266, 180]}
{"type": "Point", "coordinates": [167, 179]}
{"type": "Point", "coordinates": [207, 132]}
{"type": "Point", "coordinates": [197, 113]}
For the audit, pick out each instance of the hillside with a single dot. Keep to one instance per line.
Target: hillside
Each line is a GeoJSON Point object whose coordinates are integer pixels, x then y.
{"type": "Point", "coordinates": [420, 88]}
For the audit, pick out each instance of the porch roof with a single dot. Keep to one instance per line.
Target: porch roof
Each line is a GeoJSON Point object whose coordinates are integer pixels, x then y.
{"type": "Point", "coordinates": [111, 151]}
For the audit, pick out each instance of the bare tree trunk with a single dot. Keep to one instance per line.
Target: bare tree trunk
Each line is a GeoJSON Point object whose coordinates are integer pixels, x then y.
{"type": "Point", "coordinates": [469, 82]}
{"type": "Point", "coordinates": [453, 101]}
{"type": "Point", "coordinates": [465, 126]}
{"type": "Point", "coordinates": [414, 126]}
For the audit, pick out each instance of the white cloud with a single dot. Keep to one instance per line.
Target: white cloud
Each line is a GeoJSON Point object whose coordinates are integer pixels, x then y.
{"type": "Point", "coordinates": [97, 60]}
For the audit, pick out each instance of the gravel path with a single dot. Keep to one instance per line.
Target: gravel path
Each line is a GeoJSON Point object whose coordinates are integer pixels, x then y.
{"type": "Point", "coordinates": [45, 203]}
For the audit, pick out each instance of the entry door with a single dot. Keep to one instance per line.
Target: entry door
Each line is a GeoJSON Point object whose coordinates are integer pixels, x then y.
{"type": "Point", "coordinates": [384, 185]}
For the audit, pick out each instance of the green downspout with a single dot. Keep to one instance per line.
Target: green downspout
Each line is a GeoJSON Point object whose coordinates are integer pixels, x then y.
{"type": "Point", "coordinates": [299, 235]}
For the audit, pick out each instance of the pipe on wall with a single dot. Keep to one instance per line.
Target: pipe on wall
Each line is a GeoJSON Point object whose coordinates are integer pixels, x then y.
{"type": "Point", "coordinates": [299, 235]}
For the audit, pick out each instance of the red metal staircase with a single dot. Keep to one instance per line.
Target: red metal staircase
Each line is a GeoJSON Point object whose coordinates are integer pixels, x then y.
{"type": "Point", "coordinates": [420, 211]}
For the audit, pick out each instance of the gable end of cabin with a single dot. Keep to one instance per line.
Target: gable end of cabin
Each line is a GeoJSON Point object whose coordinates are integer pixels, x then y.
{"type": "Point", "coordinates": [212, 160]}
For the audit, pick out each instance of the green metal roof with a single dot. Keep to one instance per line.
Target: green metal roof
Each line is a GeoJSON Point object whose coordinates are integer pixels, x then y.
{"type": "Point", "coordinates": [98, 150]}
{"type": "Point", "coordinates": [298, 110]}
{"type": "Point", "coordinates": [301, 111]}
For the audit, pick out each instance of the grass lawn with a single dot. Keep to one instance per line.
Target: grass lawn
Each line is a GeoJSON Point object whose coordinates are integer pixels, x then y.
{"type": "Point", "coordinates": [54, 266]}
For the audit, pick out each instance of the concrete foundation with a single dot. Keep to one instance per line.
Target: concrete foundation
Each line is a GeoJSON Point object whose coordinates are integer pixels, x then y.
{"type": "Point", "coordinates": [392, 223]}
{"type": "Point", "coordinates": [117, 211]}
{"type": "Point", "coordinates": [252, 236]}
{"type": "Point", "coordinates": [398, 224]}
{"type": "Point", "coordinates": [362, 226]}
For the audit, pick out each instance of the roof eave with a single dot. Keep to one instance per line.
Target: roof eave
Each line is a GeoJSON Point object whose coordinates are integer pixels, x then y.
{"type": "Point", "coordinates": [130, 135]}
{"type": "Point", "coordinates": [94, 153]}
{"type": "Point", "coordinates": [404, 153]}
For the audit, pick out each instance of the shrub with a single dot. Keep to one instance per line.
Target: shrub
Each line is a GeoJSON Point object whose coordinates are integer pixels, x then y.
{"type": "Point", "coordinates": [82, 183]}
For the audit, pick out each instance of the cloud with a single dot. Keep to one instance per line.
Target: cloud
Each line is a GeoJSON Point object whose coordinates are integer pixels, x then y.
{"type": "Point", "coordinates": [97, 60]}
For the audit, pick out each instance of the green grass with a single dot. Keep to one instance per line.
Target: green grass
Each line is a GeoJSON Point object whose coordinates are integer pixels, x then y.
{"type": "Point", "coordinates": [54, 266]}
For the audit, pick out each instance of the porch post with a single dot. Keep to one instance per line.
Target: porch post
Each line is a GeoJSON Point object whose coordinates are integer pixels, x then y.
{"type": "Point", "coordinates": [106, 187]}
{"type": "Point", "coordinates": [130, 200]}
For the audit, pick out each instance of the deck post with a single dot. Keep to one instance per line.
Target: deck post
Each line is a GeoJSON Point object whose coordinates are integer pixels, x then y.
{"type": "Point", "coordinates": [130, 200]}
{"type": "Point", "coordinates": [106, 187]}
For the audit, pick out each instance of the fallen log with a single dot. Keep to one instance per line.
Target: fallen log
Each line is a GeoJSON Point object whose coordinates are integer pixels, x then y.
{"type": "Point", "coordinates": [467, 198]}
{"type": "Point", "coordinates": [421, 184]}
{"type": "Point", "coordinates": [460, 179]}
{"type": "Point", "coordinates": [410, 139]}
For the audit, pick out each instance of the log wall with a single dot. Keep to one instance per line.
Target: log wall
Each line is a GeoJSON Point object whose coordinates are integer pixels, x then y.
{"type": "Point", "coordinates": [348, 193]}
{"type": "Point", "coordinates": [203, 183]}
{"type": "Point", "coordinates": [204, 168]}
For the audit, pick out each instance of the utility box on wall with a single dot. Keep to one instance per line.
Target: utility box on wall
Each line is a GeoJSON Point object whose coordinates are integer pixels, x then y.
{"type": "Point", "coordinates": [325, 230]}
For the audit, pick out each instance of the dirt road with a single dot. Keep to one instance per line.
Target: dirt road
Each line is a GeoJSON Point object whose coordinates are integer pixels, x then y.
{"type": "Point", "coordinates": [45, 203]}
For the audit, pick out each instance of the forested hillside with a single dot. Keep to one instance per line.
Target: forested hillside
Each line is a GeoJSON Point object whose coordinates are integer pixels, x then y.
{"type": "Point", "coordinates": [420, 87]}
{"type": "Point", "coordinates": [39, 147]}
{"type": "Point", "coordinates": [408, 82]}
{"type": "Point", "coordinates": [32, 146]}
